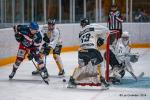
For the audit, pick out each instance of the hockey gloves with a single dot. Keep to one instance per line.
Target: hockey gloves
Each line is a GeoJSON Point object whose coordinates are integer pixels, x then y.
{"type": "Point", "coordinates": [100, 41]}
{"type": "Point", "coordinates": [33, 53]}
{"type": "Point", "coordinates": [46, 49]}
{"type": "Point", "coordinates": [46, 39]}
{"type": "Point", "coordinates": [30, 56]}
{"type": "Point", "coordinates": [134, 58]}
{"type": "Point", "coordinates": [19, 37]}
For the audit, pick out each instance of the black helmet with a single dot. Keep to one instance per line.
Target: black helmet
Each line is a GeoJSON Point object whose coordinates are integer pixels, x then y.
{"type": "Point", "coordinates": [51, 21]}
{"type": "Point", "coordinates": [114, 7]}
{"type": "Point", "coordinates": [84, 22]}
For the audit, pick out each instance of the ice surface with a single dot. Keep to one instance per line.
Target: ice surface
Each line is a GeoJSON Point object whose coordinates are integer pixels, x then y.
{"type": "Point", "coordinates": [24, 86]}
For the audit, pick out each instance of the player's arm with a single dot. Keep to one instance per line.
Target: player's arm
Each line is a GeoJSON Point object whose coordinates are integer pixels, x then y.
{"type": "Point", "coordinates": [18, 33]}
{"type": "Point", "coordinates": [54, 39]}
{"type": "Point", "coordinates": [44, 30]}
{"type": "Point", "coordinates": [118, 17]}
{"type": "Point", "coordinates": [37, 40]}
{"type": "Point", "coordinates": [102, 33]}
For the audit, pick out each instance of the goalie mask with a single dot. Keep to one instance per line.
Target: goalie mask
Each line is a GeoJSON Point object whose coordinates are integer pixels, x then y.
{"type": "Point", "coordinates": [125, 38]}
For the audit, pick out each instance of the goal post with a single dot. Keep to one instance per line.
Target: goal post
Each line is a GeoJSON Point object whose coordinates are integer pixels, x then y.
{"type": "Point", "coordinates": [114, 34]}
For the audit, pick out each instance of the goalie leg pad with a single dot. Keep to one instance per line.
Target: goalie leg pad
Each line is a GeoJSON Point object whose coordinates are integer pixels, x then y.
{"type": "Point", "coordinates": [84, 72]}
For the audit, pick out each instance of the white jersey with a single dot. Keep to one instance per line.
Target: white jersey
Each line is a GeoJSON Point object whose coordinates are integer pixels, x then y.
{"type": "Point", "coordinates": [121, 51]}
{"type": "Point", "coordinates": [54, 36]}
{"type": "Point", "coordinates": [89, 34]}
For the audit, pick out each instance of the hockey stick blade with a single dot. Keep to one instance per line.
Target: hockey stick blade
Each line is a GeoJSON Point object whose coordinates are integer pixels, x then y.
{"type": "Point", "coordinates": [140, 75]}
{"type": "Point", "coordinates": [40, 73]}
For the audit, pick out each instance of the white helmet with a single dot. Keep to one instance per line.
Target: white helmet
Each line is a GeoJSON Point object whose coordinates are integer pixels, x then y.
{"type": "Point", "coordinates": [125, 38]}
{"type": "Point", "coordinates": [125, 34]}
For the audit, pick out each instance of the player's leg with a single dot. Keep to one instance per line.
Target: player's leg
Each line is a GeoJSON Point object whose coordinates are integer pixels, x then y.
{"type": "Point", "coordinates": [36, 72]}
{"type": "Point", "coordinates": [20, 57]}
{"type": "Point", "coordinates": [99, 60]}
{"type": "Point", "coordinates": [88, 61]}
{"type": "Point", "coordinates": [83, 60]}
{"type": "Point", "coordinates": [117, 70]}
{"type": "Point", "coordinates": [42, 68]}
{"type": "Point", "coordinates": [56, 56]}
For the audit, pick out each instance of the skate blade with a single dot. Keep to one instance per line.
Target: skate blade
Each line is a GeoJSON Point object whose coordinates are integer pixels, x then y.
{"type": "Point", "coordinates": [71, 86]}
{"type": "Point", "coordinates": [104, 88]}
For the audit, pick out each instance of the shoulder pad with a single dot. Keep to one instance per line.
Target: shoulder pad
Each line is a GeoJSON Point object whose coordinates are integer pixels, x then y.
{"type": "Point", "coordinates": [23, 29]}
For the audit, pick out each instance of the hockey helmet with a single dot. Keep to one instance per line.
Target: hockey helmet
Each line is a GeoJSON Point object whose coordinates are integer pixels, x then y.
{"type": "Point", "coordinates": [34, 26]}
{"type": "Point", "coordinates": [125, 34]}
{"type": "Point", "coordinates": [125, 37]}
{"type": "Point", "coordinates": [51, 21]}
{"type": "Point", "coordinates": [84, 22]}
{"type": "Point", "coordinates": [114, 7]}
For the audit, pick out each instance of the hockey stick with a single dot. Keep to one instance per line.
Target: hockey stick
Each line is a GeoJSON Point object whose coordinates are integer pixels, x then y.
{"type": "Point", "coordinates": [133, 75]}
{"type": "Point", "coordinates": [40, 73]}
{"type": "Point", "coordinates": [137, 77]}
{"type": "Point", "coordinates": [140, 75]}
{"type": "Point", "coordinates": [45, 61]}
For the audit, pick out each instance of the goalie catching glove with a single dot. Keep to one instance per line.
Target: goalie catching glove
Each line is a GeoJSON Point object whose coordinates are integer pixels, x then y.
{"type": "Point", "coordinates": [134, 58]}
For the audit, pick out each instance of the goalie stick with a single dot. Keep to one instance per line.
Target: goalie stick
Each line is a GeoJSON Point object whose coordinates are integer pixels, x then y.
{"type": "Point", "coordinates": [40, 73]}
{"type": "Point", "coordinates": [137, 77]}
{"type": "Point", "coordinates": [140, 75]}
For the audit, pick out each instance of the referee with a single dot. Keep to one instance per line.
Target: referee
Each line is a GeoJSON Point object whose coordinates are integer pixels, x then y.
{"type": "Point", "coordinates": [115, 21]}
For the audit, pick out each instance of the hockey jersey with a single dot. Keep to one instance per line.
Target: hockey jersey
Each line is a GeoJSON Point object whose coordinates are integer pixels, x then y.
{"type": "Point", "coordinates": [54, 36]}
{"type": "Point", "coordinates": [121, 51]}
{"type": "Point", "coordinates": [89, 34]}
{"type": "Point", "coordinates": [30, 40]}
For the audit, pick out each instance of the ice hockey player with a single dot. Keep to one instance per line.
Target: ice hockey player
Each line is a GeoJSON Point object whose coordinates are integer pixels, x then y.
{"type": "Point", "coordinates": [52, 41]}
{"type": "Point", "coordinates": [89, 58]}
{"type": "Point", "coordinates": [29, 39]}
{"type": "Point", "coordinates": [121, 58]}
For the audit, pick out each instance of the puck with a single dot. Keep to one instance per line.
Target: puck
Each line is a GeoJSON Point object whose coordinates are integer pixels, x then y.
{"type": "Point", "coordinates": [64, 80]}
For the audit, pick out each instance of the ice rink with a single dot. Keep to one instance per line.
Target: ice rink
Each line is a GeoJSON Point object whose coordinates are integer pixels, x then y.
{"type": "Point", "coordinates": [24, 86]}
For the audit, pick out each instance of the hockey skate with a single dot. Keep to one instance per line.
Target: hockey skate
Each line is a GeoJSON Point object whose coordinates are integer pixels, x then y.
{"type": "Point", "coordinates": [12, 73]}
{"type": "Point", "coordinates": [61, 73]}
{"type": "Point", "coordinates": [105, 85]}
{"type": "Point", "coordinates": [71, 83]}
{"type": "Point", "coordinates": [114, 80]}
{"type": "Point", "coordinates": [44, 73]}
{"type": "Point", "coordinates": [36, 72]}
